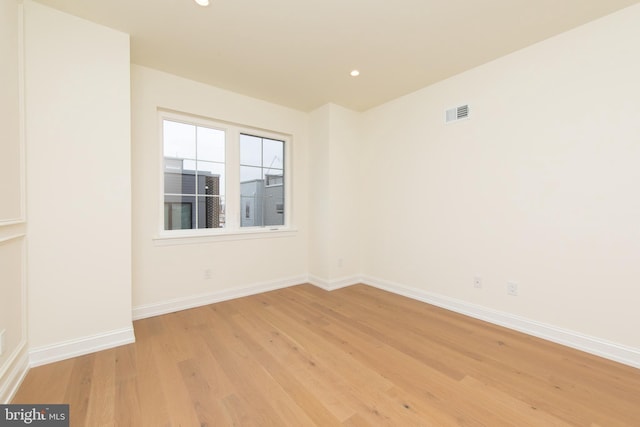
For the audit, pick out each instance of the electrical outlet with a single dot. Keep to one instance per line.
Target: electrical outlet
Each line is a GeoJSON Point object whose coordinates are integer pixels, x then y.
{"type": "Point", "coordinates": [2, 341]}
{"type": "Point", "coordinates": [340, 262]}
{"type": "Point", "coordinates": [477, 282]}
{"type": "Point", "coordinates": [512, 289]}
{"type": "Point", "coordinates": [207, 274]}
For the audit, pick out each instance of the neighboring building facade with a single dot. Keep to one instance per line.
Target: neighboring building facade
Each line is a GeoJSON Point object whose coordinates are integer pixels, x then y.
{"type": "Point", "coordinates": [262, 201]}
{"type": "Point", "coordinates": [189, 204]}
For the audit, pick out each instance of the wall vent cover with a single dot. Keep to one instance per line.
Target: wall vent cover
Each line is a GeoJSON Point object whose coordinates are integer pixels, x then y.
{"type": "Point", "coordinates": [457, 113]}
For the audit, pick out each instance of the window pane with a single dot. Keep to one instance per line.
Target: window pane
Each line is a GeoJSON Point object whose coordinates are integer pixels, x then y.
{"type": "Point", "coordinates": [272, 154]}
{"type": "Point", "coordinates": [249, 199]}
{"type": "Point", "coordinates": [274, 197]}
{"type": "Point", "coordinates": [250, 150]}
{"type": "Point", "coordinates": [274, 205]}
{"type": "Point", "coordinates": [179, 140]}
{"type": "Point", "coordinates": [273, 177]}
{"type": "Point", "coordinates": [176, 179]}
{"type": "Point", "coordinates": [210, 144]}
{"type": "Point", "coordinates": [210, 212]}
{"type": "Point", "coordinates": [250, 173]}
{"type": "Point", "coordinates": [194, 176]}
{"type": "Point", "coordinates": [211, 178]}
{"type": "Point", "coordinates": [261, 182]}
{"type": "Point", "coordinates": [260, 205]}
{"type": "Point", "coordinates": [178, 212]}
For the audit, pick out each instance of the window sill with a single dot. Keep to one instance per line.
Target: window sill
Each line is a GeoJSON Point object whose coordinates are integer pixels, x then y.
{"type": "Point", "coordinates": [182, 238]}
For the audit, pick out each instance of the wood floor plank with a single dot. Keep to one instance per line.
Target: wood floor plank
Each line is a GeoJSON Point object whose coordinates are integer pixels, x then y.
{"type": "Point", "coordinates": [78, 396]}
{"type": "Point", "coordinates": [103, 389]}
{"type": "Point", "coordinates": [432, 352]}
{"type": "Point", "coordinates": [540, 363]}
{"type": "Point", "coordinates": [411, 375]}
{"type": "Point", "coordinates": [206, 400]}
{"type": "Point", "coordinates": [354, 357]}
{"type": "Point", "coordinates": [151, 397]}
{"type": "Point", "coordinates": [176, 399]}
{"type": "Point", "coordinates": [46, 384]}
{"type": "Point", "coordinates": [321, 403]}
{"type": "Point", "coordinates": [250, 377]}
{"type": "Point", "coordinates": [336, 376]}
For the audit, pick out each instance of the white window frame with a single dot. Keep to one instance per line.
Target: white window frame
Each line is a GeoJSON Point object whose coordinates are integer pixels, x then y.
{"type": "Point", "coordinates": [232, 229]}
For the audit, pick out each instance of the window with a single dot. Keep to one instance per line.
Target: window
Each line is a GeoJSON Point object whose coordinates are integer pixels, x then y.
{"type": "Point", "coordinates": [221, 178]}
{"type": "Point", "coordinates": [261, 180]}
{"type": "Point", "coordinates": [194, 172]}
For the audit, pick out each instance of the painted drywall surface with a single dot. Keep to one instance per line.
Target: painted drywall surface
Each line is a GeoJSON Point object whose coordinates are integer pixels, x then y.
{"type": "Point", "coordinates": [161, 272]}
{"type": "Point", "coordinates": [334, 193]}
{"type": "Point", "coordinates": [78, 192]}
{"type": "Point", "coordinates": [12, 262]}
{"type": "Point", "coordinates": [539, 186]}
{"type": "Point", "coordinates": [345, 184]}
{"type": "Point", "coordinates": [319, 193]}
{"type": "Point", "coordinates": [9, 113]}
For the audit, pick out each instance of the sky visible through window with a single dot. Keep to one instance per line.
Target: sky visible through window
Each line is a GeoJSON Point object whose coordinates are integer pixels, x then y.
{"type": "Point", "coordinates": [200, 148]}
{"type": "Point", "coordinates": [260, 157]}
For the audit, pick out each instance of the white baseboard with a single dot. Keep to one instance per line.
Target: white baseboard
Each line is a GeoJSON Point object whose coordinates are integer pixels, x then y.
{"type": "Point", "coordinates": [13, 372]}
{"type": "Point", "coordinates": [177, 304]}
{"type": "Point", "coordinates": [81, 346]}
{"type": "Point", "coordinates": [332, 285]}
{"type": "Point", "coordinates": [599, 347]}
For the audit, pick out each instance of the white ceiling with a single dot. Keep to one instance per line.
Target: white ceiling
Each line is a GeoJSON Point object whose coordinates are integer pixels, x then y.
{"type": "Point", "coordinates": [299, 53]}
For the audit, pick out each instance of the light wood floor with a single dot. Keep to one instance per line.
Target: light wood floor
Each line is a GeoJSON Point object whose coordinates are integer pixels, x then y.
{"type": "Point", "coordinates": [353, 357]}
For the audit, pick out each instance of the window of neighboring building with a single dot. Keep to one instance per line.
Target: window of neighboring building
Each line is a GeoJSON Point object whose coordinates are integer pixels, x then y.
{"type": "Point", "coordinates": [178, 216]}
{"type": "Point", "coordinates": [199, 155]}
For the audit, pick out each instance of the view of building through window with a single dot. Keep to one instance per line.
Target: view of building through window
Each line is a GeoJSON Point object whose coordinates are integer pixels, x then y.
{"type": "Point", "coordinates": [194, 176]}
{"type": "Point", "coordinates": [196, 159]}
{"type": "Point", "coordinates": [261, 181]}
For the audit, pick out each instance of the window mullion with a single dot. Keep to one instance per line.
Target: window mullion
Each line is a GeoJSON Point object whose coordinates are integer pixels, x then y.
{"type": "Point", "coordinates": [195, 183]}
{"type": "Point", "coordinates": [232, 166]}
{"type": "Point", "coordinates": [264, 177]}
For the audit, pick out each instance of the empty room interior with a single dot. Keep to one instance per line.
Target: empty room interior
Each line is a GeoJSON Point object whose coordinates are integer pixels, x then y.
{"type": "Point", "coordinates": [297, 213]}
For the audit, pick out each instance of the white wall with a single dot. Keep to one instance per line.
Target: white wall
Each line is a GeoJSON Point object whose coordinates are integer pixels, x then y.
{"type": "Point", "coordinates": [10, 208]}
{"type": "Point", "coordinates": [12, 226]}
{"type": "Point", "coordinates": [78, 183]}
{"type": "Point", "coordinates": [319, 193]}
{"type": "Point", "coordinates": [540, 186]}
{"type": "Point", "coordinates": [164, 272]}
{"type": "Point", "coordinates": [335, 195]}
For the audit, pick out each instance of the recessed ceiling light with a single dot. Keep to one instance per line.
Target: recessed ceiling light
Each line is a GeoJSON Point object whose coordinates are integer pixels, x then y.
{"type": "Point", "coordinates": [355, 73]}
{"type": "Point", "coordinates": [202, 2]}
